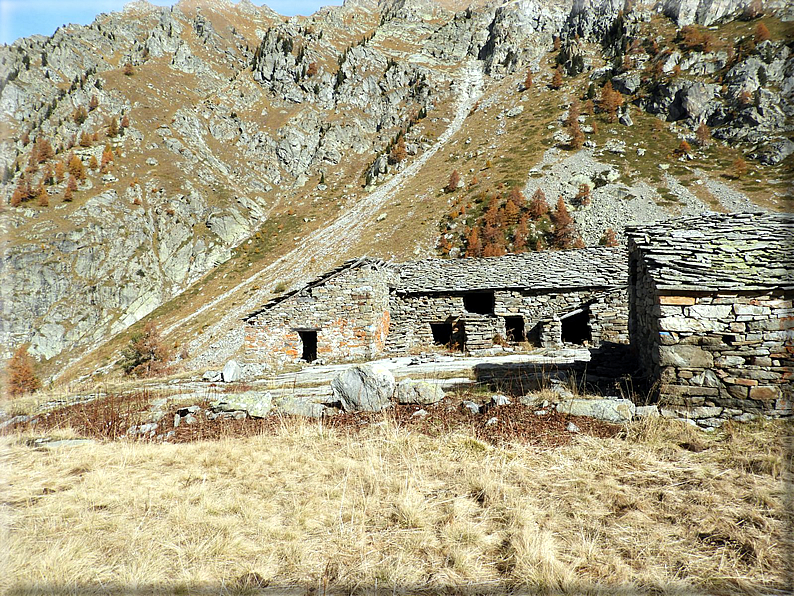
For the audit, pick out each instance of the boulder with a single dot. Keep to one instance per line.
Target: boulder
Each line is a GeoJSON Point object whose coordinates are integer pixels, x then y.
{"type": "Point", "coordinates": [609, 410]}
{"type": "Point", "coordinates": [516, 111]}
{"type": "Point", "coordinates": [627, 83]}
{"type": "Point", "coordinates": [365, 387]}
{"type": "Point", "coordinates": [561, 391]}
{"type": "Point", "coordinates": [418, 392]}
{"type": "Point", "coordinates": [258, 404]}
{"type": "Point", "coordinates": [500, 400]}
{"type": "Point", "coordinates": [300, 407]}
{"type": "Point", "coordinates": [774, 152]}
{"type": "Point", "coordinates": [531, 400]}
{"type": "Point", "coordinates": [471, 407]}
{"type": "Point", "coordinates": [231, 372]}
{"type": "Point", "coordinates": [211, 376]}
{"type": "Point", "coordinates": [695, 99]}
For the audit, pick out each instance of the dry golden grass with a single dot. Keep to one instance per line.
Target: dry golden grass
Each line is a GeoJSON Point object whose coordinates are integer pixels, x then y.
{"type": "Point", "coordinates": [664, 509]}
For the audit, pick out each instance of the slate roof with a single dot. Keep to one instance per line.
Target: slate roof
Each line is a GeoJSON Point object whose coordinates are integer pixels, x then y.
{"type": "Point", "coordinates": [596, 267]}
{"type": "Point", "coordinates": [318, 281]}
{"type": "Point", "coordinates": [718, 251]}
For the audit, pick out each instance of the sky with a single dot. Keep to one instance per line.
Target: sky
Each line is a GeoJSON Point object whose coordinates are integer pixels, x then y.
{"type": "Point", "coordinates": [21, 18]}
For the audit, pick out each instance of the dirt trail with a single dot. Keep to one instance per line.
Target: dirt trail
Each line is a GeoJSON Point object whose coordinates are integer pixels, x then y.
{"type": "Point", "coordinates": [325, 245]}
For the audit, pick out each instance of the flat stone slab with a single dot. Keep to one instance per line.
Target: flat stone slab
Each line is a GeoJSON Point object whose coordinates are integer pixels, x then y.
{"type": "Point", "coordinates": [64, 443]}
{"type": "Point", "coordinates": [258, 404]}
{"type": "Point", "coordinates": [609, 410]}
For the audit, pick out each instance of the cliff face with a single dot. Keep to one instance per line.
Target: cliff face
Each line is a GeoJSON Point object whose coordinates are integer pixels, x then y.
{"type": "Point", "coordinates": [221, 105]}
{"type": "Point", "coordinates": [145, 150]}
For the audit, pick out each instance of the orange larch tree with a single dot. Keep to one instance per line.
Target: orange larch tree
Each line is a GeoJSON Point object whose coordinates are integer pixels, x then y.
{"type": "Point", "coordinates": [538, 206]}
{"type": "Point", "coordinates": [21, 376]}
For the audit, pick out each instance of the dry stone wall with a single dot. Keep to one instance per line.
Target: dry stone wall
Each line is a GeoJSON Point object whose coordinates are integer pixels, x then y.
{"type": "Point", "coordinates": [348, 310]}
{"type": "Point", "coordinates": [724, 356]}
{"type": "Point", "coordinates": [412, 315]}
{"type": "Point", "coordinates": [712, 316]}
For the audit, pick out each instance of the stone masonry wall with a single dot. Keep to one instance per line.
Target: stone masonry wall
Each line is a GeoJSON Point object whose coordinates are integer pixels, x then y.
{"type": "Point", "coordinates": [609, 317]}
{"type": "Point", "coordinates": [413, 313]}
{"type": "Point", "coordinates": [643, 316]}
{"type": "Point", "coordinates": [350, 313]}
{"type": "Point", "coordinates": [717, 356]}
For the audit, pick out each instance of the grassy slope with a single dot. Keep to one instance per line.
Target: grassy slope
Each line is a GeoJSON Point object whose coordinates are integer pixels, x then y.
{"type": "Point", "coordinates": [662, 509]}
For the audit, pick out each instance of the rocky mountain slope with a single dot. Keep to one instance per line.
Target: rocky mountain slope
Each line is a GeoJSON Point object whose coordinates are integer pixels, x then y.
{"type": "Point", "coordinates": [185, 163]}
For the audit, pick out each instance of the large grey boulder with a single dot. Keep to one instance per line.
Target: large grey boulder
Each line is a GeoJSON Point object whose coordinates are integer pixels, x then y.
{"type": "Point", "coordinates": [258, 404]}
{"type": "Point", "coordinates": [696, 98]}
{"type": "Point", "coordinates": [609, 410]}
{"type": "Point", "coordinates": [364, 388]}
{"type": "Point", "coordinates": [774, 152]}
{"type": "Point", "coordinates": [418, 392]}
{"type": "Point", "coordinates": [231, 372]}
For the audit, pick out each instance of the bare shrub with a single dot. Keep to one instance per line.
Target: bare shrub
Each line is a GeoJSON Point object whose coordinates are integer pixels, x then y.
{"type": "Point", "coordinates": [146, 355]}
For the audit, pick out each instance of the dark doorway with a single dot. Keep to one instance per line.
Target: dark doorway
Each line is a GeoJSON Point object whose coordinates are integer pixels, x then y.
{"type": "Point", "coordinates": [576, 327]}
{"type": "Point", "coordinates": [515, 329]}
{"type": "Point", "coordinates": [442, 333]}
{"type": "Point", "coordinates": [534, 334]}
{"type": "Point", "coordinates": [481, 303]}
{"type": "Point", "coordinates": [309, 339]}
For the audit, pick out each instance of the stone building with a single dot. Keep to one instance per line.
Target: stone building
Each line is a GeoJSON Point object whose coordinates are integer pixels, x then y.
{"type": "Point", "coordinates": [341, 315]}
{"type": "Point", "coordinates": [546, 298]}
{"type": "Point", "coordinates": [710, 301]}
{"type": "Point", "coordinates": [368, 307]}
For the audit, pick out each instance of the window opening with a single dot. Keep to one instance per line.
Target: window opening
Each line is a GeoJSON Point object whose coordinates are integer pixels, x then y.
{"type": "Point", "coordinates": [481, 303]}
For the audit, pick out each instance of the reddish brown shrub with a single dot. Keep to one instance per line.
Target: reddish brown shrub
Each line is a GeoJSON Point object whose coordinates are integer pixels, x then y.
{"type": "Point", "coordinates": [564, 235]}
{"type": "Point", "coordinates": [454, 181]}
{"type": "Point", "coordinates": [538, 206]}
